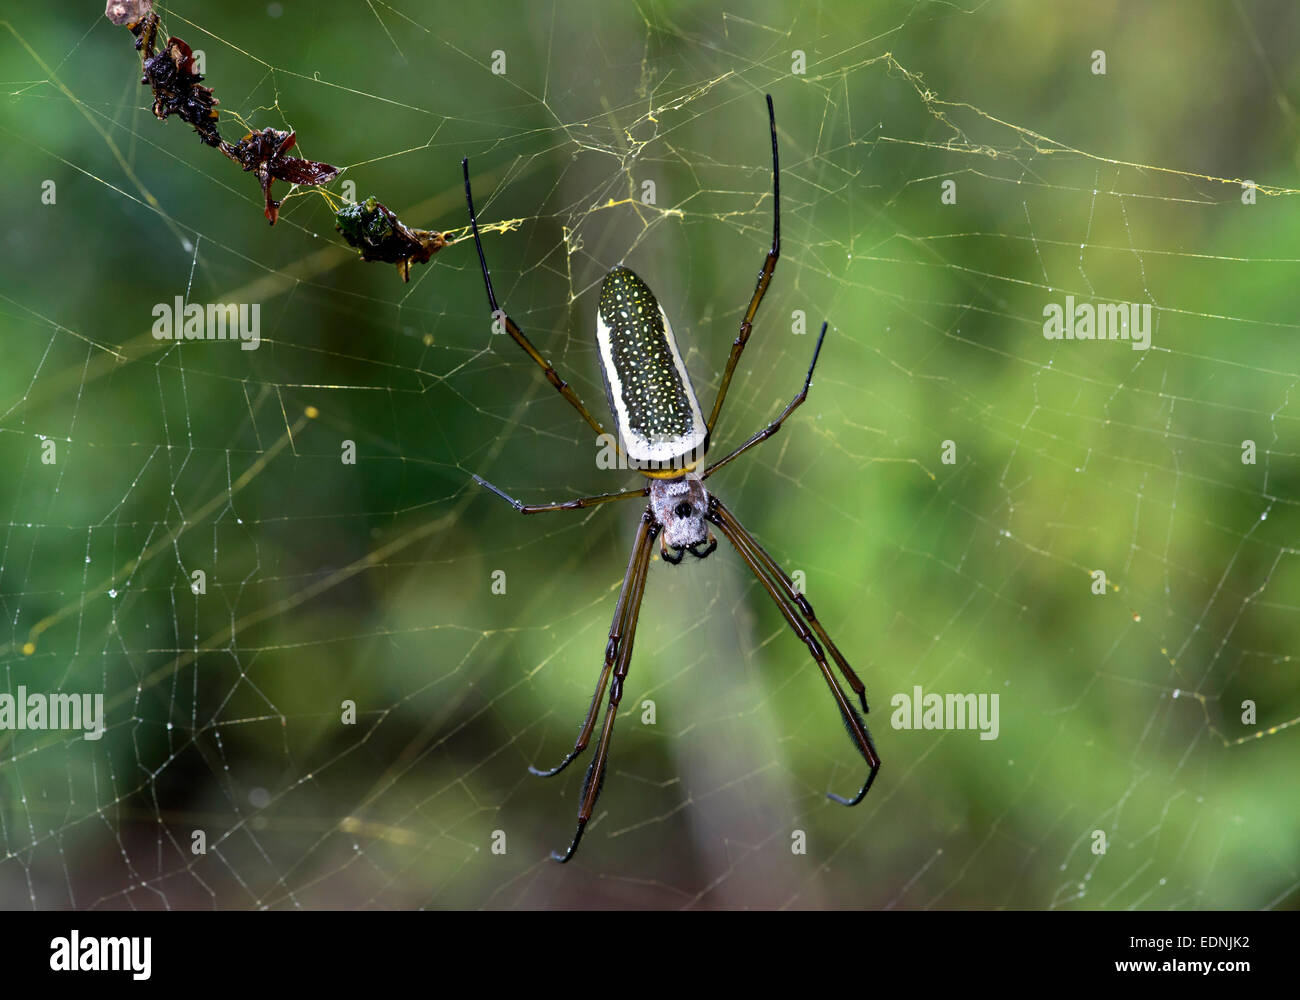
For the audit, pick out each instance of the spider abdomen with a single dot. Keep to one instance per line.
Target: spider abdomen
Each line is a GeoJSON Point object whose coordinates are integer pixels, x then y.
{"type": "Point", "coordinates": [660, 427]}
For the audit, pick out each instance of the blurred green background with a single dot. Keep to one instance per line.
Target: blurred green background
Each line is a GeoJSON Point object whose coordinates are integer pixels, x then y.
{"type": "Point", "coordinates": [329, 582]}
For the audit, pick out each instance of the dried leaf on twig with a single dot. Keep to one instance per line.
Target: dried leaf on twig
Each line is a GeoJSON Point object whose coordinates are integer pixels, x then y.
{"type": "Point", "coordinates": [380, 235]}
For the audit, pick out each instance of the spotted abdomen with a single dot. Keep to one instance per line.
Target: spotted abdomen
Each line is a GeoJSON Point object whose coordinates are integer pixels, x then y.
{"type": "Point", "coordinates": [660, 427]}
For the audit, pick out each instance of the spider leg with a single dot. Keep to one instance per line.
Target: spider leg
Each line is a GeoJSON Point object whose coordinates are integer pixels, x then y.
{"type": "Point", "coordinates": [595, 779]}
{"type": "Point", "coordinates": [764, 278]}
{"type": "Point", "coordinates": [515, 333]}
{"type": "Point", "coordinates": [576, 504]}
{"type": "Point", "coordinates": [775, 425]}
{"type": "Point", "coordinates": [617, 630]}
{"type": "Point", "coordinates": [852, 721]}
{"type": "Point", "coordinates": [782, 579]}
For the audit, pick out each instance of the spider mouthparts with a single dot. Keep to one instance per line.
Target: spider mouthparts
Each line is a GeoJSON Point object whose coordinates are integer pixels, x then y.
{"type": "Point", "coordinates": [670, 554]}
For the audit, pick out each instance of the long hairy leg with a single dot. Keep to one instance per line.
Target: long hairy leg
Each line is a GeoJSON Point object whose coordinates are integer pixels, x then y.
{"type": "Point", "coordinates": [764, 278]}
{"type": "Point", "coordinates": [595, 779]}
{"type": "Point", "coordinates": [782, 579]}
{"type": "Point", "coordinates": [852, 721]}
{"type": "Point", "coordinates": [775, 425]}
{"type": "Point", "coordinates": [618, 631]}
{"type": "Point", "coordinates": [579, 503]}
{"type": "Point", "coordinates": [516, 334]}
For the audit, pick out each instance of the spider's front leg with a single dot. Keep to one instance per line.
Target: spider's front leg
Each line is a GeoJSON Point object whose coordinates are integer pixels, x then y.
{"type": "Point", "coordinates": [621, 648]}
{"type": "Point", "coordinates": [791, 594]}
{"type": "Point", "coordinates": [775, 583]}
{"type": "Point", "coordinates": [618, 629]}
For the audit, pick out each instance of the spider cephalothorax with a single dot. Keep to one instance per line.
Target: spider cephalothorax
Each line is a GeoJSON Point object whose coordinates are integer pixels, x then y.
{"type": "Point", "coordinates": [681, 506]}
{"type": "Point", "coordinates": [663, 435]}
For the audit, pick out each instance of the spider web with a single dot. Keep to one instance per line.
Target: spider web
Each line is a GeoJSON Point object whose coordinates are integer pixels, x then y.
{"type": "Point", "coordinates": [373, 582]}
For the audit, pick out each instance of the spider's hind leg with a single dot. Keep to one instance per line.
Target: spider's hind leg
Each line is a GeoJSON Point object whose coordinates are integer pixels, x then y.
{"type": "Point", "coordinates": [516, 334]}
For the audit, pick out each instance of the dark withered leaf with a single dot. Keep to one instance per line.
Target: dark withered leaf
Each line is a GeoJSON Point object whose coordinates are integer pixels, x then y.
{"type": "Point", "coordinates": [370, 227]}
{"type": "Point", "coordinates": [379, 234]}
{"type": "Point", "coordinates": [298, 171]}
{"type": "Point", "coordinates": [258, 147]}
{"type": "Point", "coordinates": [177, 89]}
{"type": "Point", "coordinates": [264, 153]}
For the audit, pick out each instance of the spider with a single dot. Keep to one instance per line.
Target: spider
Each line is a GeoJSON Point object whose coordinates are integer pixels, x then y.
{"type": "Point", "coordinates": [663, 435]}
